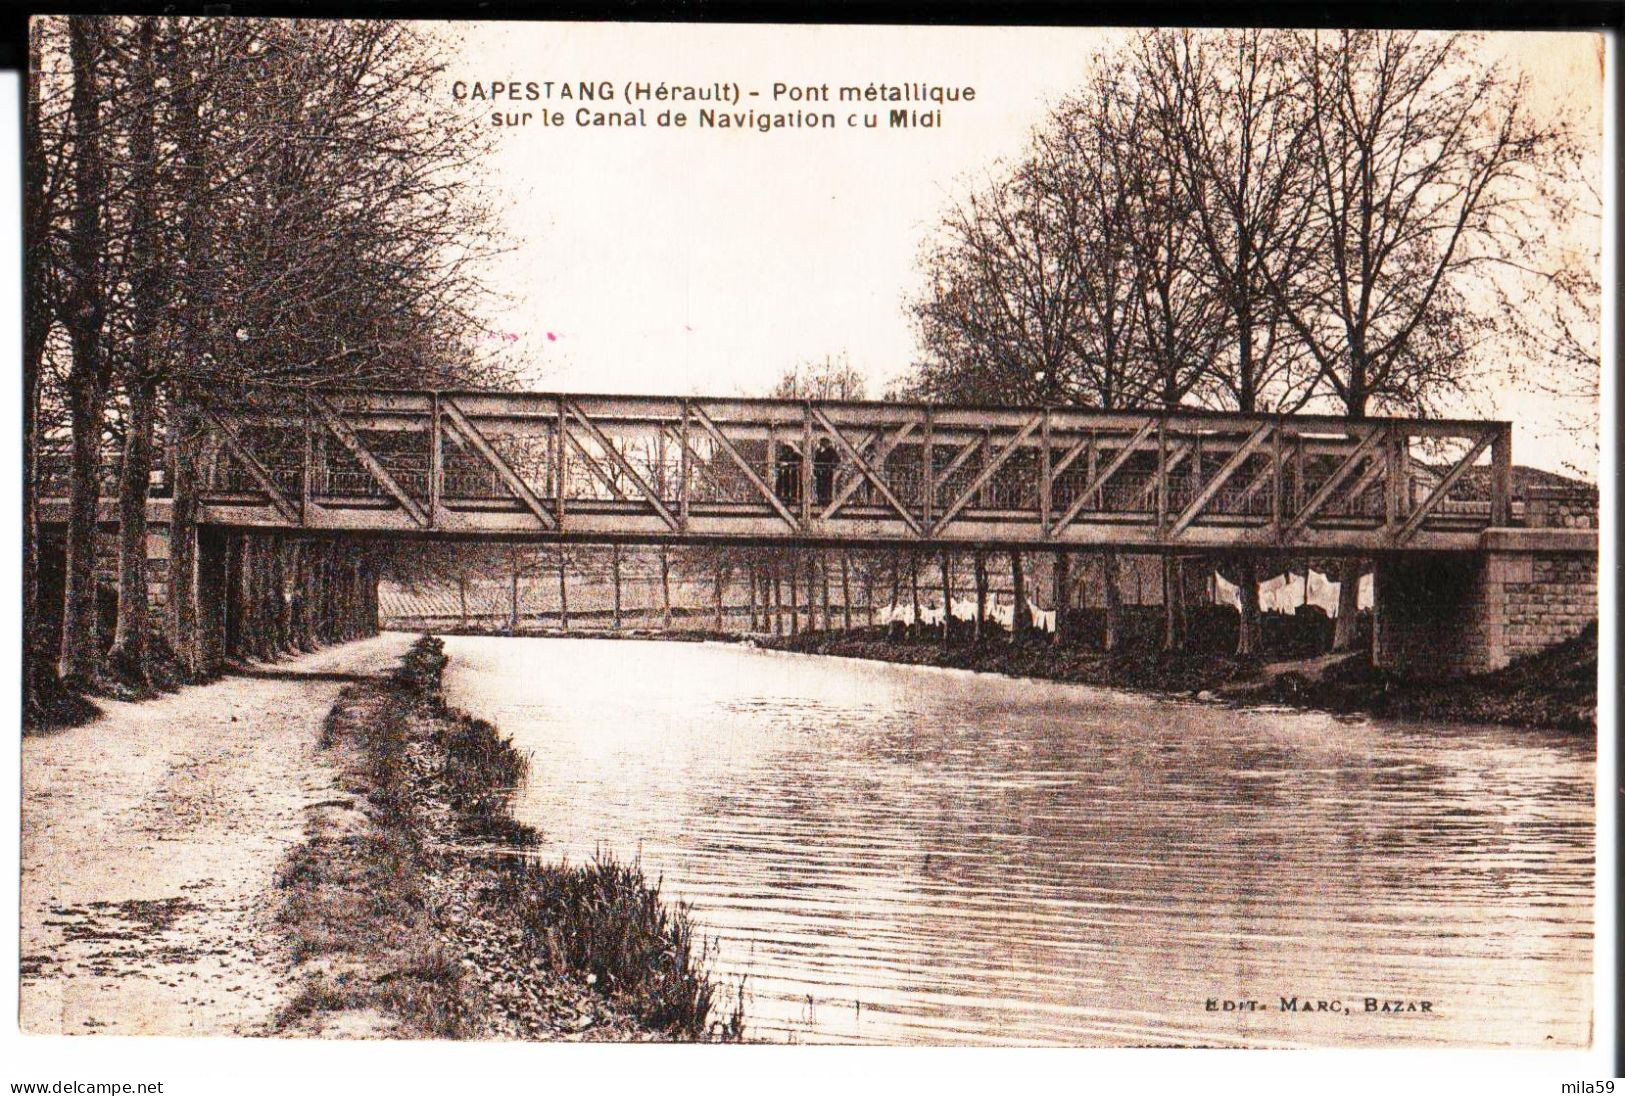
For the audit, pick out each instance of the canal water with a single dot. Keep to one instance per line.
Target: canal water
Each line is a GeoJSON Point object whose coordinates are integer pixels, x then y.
{"type": "Point", "coordinates": [896, 854]}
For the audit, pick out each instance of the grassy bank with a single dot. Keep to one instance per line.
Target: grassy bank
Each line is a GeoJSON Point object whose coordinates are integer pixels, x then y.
{"type": "Point", "coordinates": [415, 910]}
{"type": "Point", "coordinates": [1557, 688]}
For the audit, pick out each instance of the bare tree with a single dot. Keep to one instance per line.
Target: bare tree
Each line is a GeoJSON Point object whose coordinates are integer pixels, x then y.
{"type": "Point", "coordinates": [1230, 113]}
{"type": "Point", "coordinates": [253, 203]}
{"type": "Point", "coordinates": [84, 315]}
{"type": "Point", "coordinates": [143, 368]}
{"type": "Point", "coordinates": [42, 269]}
{"type": "Point", "coordinates": [1422, 166]}
{"type": "Point", "coordinates": [1555, 309]}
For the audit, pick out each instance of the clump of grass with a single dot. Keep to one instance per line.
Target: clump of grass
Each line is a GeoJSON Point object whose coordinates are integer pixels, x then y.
{"type": "Point", "coordinates": [356, 898]}
{"type": "Point", "coordinates": [605, 920]}
{"type": "Point", "coordinates": [422, 999]}
{"type": "Point", "coordinates": [481, 767]}
{"type": "Point", "coordinates": [482, 770]}
{"type": "Point", "coordinates": [353, 894]}
{"type": "Point", "coordinates": [422, 667]}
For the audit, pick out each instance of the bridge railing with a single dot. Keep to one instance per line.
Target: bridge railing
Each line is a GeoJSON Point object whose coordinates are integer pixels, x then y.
{"type": "Point", "coordinates": [762, 470]}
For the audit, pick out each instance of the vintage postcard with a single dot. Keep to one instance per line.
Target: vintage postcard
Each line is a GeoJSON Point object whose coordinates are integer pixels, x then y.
{"type": "Point", "coordinates": [811, 534]}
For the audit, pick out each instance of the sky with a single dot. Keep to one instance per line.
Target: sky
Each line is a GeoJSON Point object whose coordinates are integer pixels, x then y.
{"type": "Point", "coordinates": [710, 261]}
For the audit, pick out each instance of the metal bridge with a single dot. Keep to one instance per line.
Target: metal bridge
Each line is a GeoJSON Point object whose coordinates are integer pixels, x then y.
{"type": "Point", "coordinates": [498, 465]}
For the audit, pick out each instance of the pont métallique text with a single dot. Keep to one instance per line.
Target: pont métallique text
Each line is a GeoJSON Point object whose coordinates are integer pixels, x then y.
{"type": "Point", "coordinates": [720, 105]}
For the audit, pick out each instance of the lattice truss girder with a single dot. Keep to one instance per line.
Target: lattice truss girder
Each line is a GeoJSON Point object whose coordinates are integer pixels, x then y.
{"type": "Point", "coordinates": [933, 473]}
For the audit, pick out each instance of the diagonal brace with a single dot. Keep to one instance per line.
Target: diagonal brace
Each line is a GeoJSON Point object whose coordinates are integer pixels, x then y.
{"type": "Point", "coordinates": [1212, 487]}
{"type": "Point", "coordinates": [352, 441]}
{"type": "Point", "coordinates": [1367, 446]}
{"type": "Point", "coordinates": [988, 471]}
{"type": "Point", "coordinates": [503, 469]}
{"type": "Point", "coordinates": [258, 471]}
{"type": "Point", "coordinates": [882, 451]}
{"type": "Point", "coordinates": [1068, 457]}
{"type": "Point", "coordinates": [1105, 474]}
{"type": "Point", "coordinates": [594, 467]}
{"type": "Point", "coordinates": [1441, 489]}
{"type": "Point", "coordinates": [863, 466]}
{"type": "Point", "coordinates": [755, 478]}
{"type": "Point", "coordinates": [1177, 457]}
{"type": "Point", "coordinates": [624, 465]}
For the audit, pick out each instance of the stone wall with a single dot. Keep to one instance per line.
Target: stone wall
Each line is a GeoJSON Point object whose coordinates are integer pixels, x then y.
{"type": "Point", "coordinates": [1560, 507]}
{"type": "Point", "coordinates": [157, 562]}
{"type": "Point", "coordinates": [1439, 616]}
{"type": "Point", "coordinates": [1548, 598]}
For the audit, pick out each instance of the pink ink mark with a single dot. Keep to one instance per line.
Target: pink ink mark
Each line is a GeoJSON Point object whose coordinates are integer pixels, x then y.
{"type": "Point", "coordinates": [552, 337]}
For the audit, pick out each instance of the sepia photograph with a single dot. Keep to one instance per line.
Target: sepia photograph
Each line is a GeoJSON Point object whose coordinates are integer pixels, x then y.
{"type": "Point", "coordinates": [885, 535]}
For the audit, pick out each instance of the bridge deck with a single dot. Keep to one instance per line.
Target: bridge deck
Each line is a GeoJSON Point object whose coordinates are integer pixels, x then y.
{"type": "Point", "coordinates": [656, 469]}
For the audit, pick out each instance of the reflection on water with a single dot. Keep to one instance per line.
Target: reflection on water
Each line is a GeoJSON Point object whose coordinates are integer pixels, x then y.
{"type": "Point", "coordinates": [896, 854]}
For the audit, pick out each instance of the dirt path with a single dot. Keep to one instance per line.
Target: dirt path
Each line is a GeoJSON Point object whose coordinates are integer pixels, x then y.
{"type": "Point", "coordinates": [150, 843]}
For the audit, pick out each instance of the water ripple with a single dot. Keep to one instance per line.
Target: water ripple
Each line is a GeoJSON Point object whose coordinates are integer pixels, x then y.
{"type": "Point", "coordinates": [897, 855]}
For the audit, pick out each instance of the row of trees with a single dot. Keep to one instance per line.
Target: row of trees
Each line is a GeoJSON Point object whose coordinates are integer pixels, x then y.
{"type": "Point", "coordinates": [1263, 221]}
{"type": "Point", "coordinates": [767, 589]}
{"type": "Point", "coordinates": [213, 206]}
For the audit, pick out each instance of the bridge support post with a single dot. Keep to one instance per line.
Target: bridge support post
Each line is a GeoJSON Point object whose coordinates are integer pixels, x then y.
{"type": "Point", "coordinates": [1441, 615]}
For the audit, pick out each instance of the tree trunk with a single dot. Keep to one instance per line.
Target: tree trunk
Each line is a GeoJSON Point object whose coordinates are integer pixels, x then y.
{"type": "Point", "coordinates": [615, 580]}
{"type": "Point", "coordinates": [1173, 603]}
{"type": "Point", "coordinates": [1021, 614]}
{"type": "Point", "coordinates": [87, 377]}
{"type": "Point", "coordinates": [321, 554]}
{"type": "Point", "coordinates": [129, 654]}
{"type": "Point", "coordinates": [1062, 582]}
{"type": "Point", "coordinates": [280, 558]}
{"type": "Point", "coordinates": [197, 322]}
{"type": "Point", "coordinates": [462, 600]}
{"type": "Point", "coordinates": [369, 594]}
{"type": "Point", "coordinates": [778, 598]}
{"type": "Point", "coordinates": [309, 570]}
{"type": "Point", "coordinates": [513, 598]}
{"type": "Point", "coordinates": [344, 589]}
{"type": "Point", "coordinates": [244, 593]}
{"type": "Point", "coordinates": [718, 582]}
{"type": "Point", "coordinates": [1346, 631]}
{"type": "Point", "coordinates": [270, 591]}
{"type": "Point", "coordinates": [665, 588]}
{"type": "Point", "coordinates": [294, 566]}
{"type": "Point", "coordinates": [1114, 599]}
{"type": "Point", "coordinates": [947, 600]}
{"type": "Point", "coordinates": [822, 560]}
{"type": "Point", "coordinates": [79, 646]}
{"type": "Point", "coordinates": [564, 595]}
{"type": "Point", "coordinates": [1247, 637]}
{"type": "Point", "coordinates": [184, 449]}
{"type": "Point", "coordinates": [795, 569]}
{"type": "Point", "coordinates": [979, 569]}
{"type": "Point", "coordinates": [312, 567]}
{"type": "Point", "coordinates": [914, 591]}
{"type": "Point", "coordinates": [36, 332]}
{"type": "Point", "coordinates": [234, 604]}
{"type": "Point", "coordinates": [846, 592]}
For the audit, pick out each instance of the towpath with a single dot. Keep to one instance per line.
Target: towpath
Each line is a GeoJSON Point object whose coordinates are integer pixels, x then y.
{"type": "Point", "coordinates": [151, 839]}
